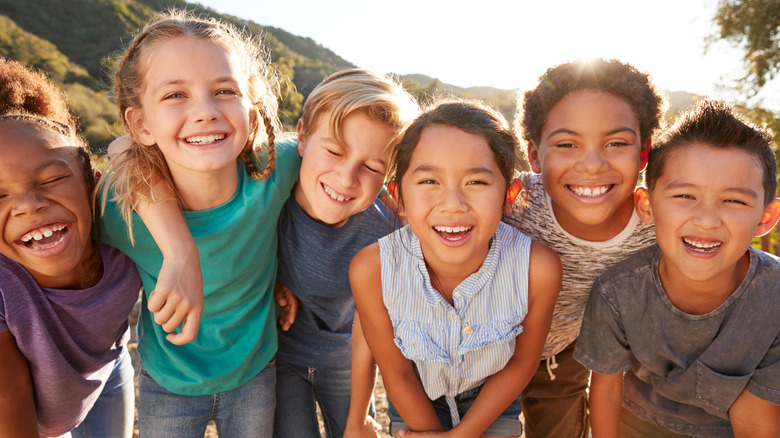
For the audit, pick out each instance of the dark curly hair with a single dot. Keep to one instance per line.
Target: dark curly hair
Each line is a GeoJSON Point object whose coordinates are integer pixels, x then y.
{"type": "Point", "coordinates": [718, 125]}
{"type": "Point", "coordinates": [605, 76]}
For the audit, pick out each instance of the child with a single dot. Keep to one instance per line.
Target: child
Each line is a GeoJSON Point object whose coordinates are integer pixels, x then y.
{"type": "Point", "coordinates": [587, 128]}
{"type": "Point", "coordinates": [195, 95]}
{"type": "Point", "coordinates": [456, 297]}
{"type": "Point", "coordinates": [64, 298]}
{"type": "Point", "coordinates": [343, 137]}
{"type": "Point", "coordinates": [695, 317]}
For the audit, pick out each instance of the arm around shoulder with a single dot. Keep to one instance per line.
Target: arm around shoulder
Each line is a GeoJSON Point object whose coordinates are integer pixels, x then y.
{"type": "Point", "coordinates": [17, 399]}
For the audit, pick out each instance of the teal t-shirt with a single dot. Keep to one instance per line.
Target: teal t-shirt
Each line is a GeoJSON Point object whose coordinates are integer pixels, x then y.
{"type": "Point", "coordinates": [237, 244]}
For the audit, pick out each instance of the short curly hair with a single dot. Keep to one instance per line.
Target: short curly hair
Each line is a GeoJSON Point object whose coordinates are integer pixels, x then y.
{"type": "Point", "coordinates": [605, 76]}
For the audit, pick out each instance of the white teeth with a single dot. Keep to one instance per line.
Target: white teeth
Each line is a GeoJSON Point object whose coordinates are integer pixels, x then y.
{"type": "Point", "coordinates": [205, 139]}
{"type": "Point", "coordinates": [703, 246]}
{"type": "Point", "coordinates": [333, 194]}
{"type": "Point", "coordinates": [590, 192]}
{"type": "Point", "coordinates": [42, 232]}
{"type": "Point", "coordinates": [460, 229]}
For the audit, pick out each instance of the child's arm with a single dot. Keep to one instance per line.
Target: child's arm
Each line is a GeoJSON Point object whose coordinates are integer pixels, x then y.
{"type": "Point", "coordinates": [17, 403]}
{"type": "Point", "coordinates": [398, 375]}
{"type": "Point", "coordinates": [362, 381]}
{"type": "Point", "coordinates": [606, 401]}
{"type": "Point", "coordinates": [503, 387]}
{"type": "Point", "coordinates": [754, 417]}
{"type": "Point", "coordinates": [178, 295]}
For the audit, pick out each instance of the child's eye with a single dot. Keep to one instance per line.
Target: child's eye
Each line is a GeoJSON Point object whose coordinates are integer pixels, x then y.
{"type": "Point", "coordinates": [565, 145]}
{"type": "Point", "coordinates": [736, 201]}
{"type": "Point", "coordinates": [372, 170]}
{"type": "Point", "coordinates": [683, 196]}
{"type": "Point", "coordinates": [617, 144]}
{"type": "Point", "coordinates": [427, 181]}
{"type": "Point", "coordinates": [55, 179]}
{"type": "Point", "coordinates": [477, 182]}
{"type": "Point", "coordinates": [175, 95]}
{"type": "Point", "coordinates": [227, 92]}
{"type": "Point", "coordinates": [332, 152]}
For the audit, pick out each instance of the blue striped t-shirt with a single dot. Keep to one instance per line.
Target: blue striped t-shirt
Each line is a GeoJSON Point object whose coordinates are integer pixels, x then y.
{"type": "Point", "coordinates": [456, 348]}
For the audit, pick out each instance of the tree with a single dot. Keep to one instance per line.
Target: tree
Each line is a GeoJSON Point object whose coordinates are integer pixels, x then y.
{"type": "Point", "coordinates": [754, 26]}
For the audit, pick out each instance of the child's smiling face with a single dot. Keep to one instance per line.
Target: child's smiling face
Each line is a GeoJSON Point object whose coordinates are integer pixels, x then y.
{"type": "Point", "coordinates": [705, 224]}
{"type": "Point", "coordinates": [589, 159]}
{"type": "Point", "coordinates": [339, 180]}
{"type": "Point", "coordinates": [453, 196]}
{"type": "Point", "coordinates": [44, 205]}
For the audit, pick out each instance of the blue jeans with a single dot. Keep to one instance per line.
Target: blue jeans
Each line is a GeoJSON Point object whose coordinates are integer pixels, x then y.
{"type": "Point", "coordinates": [507, 424]}
{"type": "Point", "coordinates": [247, 411]}
{"type": "Point", "coordinates": [299, 389]}
{"type": "Point", "coordinates": [112, 413]}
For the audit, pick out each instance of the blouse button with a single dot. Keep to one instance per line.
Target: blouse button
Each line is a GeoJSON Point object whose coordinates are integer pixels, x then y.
{"type": "Point", "coordinates": [467, 328]}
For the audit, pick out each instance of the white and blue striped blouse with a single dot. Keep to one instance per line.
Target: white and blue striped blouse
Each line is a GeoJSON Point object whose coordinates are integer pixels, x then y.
{"type": "Point", "coordinates": [456, 348]}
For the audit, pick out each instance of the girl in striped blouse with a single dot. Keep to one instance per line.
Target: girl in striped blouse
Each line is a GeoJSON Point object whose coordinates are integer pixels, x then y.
{"type": "Point", "coordinates": [455, 306]}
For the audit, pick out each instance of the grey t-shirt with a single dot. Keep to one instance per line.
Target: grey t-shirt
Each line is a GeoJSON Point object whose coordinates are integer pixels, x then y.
{"type": "Point", "coordinates": [71, 338]}
{"type": "Point", "coordinates": [582, 260]}
{"type": "Point", "coordinates": [685, 370]}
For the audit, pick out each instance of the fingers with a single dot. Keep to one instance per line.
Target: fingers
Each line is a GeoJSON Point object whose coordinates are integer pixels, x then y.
{"type": "Point", "coordinates": [189, 330]}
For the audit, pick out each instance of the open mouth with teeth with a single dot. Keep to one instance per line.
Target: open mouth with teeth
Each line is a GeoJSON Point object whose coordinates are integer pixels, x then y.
{"type": "Point", "coordinates": [335, 195]}
{"type": "Point", "coordinates": [700, 246]}
{"type": "Point", "coordinates": [453, 233]}
{"type": "Point", "coordinates": [205, 139]}
{"type": "Point", "coordinates": [44, 237]}
{"type": "Point", "coordinates": [590, 191]}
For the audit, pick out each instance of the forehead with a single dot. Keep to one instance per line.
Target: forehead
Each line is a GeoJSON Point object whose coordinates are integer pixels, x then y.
{"type": "Point", "coordinates": [188, 56]}
{"type": "Point", "coordinates": [449, 146]}
{"type": "Point", "coordinates": [714, 167]}
{"type": "Point", "coordinates": [25, 143]}
{"type": "Point", "coordinates": [591, 109]}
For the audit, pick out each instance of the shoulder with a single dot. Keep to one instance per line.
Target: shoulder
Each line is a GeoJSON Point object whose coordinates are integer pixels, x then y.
{"type": "Point", "coordinates": [364, 271]}
{"type": "Point", "coordinates": [287, 158]}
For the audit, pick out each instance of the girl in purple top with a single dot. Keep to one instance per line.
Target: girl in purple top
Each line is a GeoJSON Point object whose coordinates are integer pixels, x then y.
{"type": "Point", "coordinates": [64, 298]}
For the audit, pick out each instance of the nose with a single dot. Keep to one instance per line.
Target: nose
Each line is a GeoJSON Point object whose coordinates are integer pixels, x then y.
{"type": "Point", "coordinates": [707, 217]}
{"type": "Point", "coordinates": [453, 200]}
{"type": "Point", "coordinates": [206, 110]}
{"type": "Point", "coordinates": [348, 174]}
{"type": "Point", "coordinates": [29, 204]}
{"type": "Point", "coordinates": [592, 161]}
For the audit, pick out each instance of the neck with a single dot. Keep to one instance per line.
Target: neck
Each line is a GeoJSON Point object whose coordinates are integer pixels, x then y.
{"type": "Point", "coordinates": [205, 190]}
{"type": "Point", "coordinates": [701, 297]}
{"type": "Point", "coordinates": [599, 232]}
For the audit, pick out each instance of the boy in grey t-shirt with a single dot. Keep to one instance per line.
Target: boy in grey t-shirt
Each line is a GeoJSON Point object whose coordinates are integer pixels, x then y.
{"type": "Point", "coordinates": [694, 317]}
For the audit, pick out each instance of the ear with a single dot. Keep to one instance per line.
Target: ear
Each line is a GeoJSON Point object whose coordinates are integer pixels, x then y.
{"type": "Point", "coordinates": [644, 154]}
{"type": "Point", "coordinates": [511, 194]}
{"type": "Point", "coordinates": [392, 188]}
{"type": "Point", "coordinates": [769, 217]}
{"type": "Point", "coordinates": [301, 137]}
{"type": "Point", "coordinates": [533, 157]}
{"type": "Point", "coordinates": [137, 125]}
{"type": "Point", "coordinates": [642, 205]}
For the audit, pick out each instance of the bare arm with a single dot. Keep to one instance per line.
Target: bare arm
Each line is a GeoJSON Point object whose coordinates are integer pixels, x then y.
{"type": "Point", "coordinates": [754, 417]}
{"type": "Point", "coordinates": [362, 381]}
{"type": "Point", "coordinates": [606, 401]}
{"type": "Point", "coordinates": [17, 402]}
{"type": "Point", "coordinates": [401, 382]}
{"type": "Point", "coordinates": [178, 295]}
{"type": "Point", "coordinates": [503, 387]}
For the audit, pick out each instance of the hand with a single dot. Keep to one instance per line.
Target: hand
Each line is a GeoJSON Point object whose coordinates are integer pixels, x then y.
{"type": "Point", "coordinates": [368, 429]}
{"type": "Point", "coordinates": [178, 298]}
{"type": "Point", "coordinates": [288, 303]}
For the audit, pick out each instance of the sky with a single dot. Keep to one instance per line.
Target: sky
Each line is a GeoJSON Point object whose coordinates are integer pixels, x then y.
{"type": "Point", "coordinates": [508, 44]}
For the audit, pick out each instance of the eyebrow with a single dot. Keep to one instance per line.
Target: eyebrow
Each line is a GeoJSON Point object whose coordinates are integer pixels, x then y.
{"type": "Point", "coordinates": [736, 189]}
{"type": "Point", "coordinates": [612, 132]}
{"type": "Point", "coordinates": [177, 82]}
{"type": "Point", "coordinates": [470, 170]}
